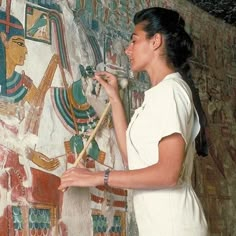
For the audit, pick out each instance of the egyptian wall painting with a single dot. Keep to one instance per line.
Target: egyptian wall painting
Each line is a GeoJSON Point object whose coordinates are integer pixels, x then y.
{"type": "Point", "coordinates": [48, 107]}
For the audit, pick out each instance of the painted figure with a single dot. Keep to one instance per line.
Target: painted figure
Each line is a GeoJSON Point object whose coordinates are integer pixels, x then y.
{"type": "Point", "coordinates": [17, 89]}
{"type": "Point", "coordinates": [18, 96]}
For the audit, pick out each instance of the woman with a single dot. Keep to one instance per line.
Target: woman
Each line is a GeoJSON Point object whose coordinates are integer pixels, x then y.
{"type": "Point", "coordinates": [159, 143]}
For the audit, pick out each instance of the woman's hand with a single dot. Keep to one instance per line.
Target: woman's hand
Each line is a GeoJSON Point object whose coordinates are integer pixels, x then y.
{"type": "Point", "coordinates": [80, 177]}
{"type": "Point", "coordinates": [109, 83]}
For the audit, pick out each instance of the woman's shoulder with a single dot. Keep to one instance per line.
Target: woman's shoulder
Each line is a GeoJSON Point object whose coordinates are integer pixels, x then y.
{"type": "Point", "coordinates": [174, 81]}
{"type": "Point", "coordinates": [171, 85]}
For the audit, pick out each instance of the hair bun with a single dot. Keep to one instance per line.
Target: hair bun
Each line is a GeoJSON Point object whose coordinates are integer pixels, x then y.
{"type": "Point", "coordinates": [180, 22]}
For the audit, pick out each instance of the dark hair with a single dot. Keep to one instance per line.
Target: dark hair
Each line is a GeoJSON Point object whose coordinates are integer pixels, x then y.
{"type": "Point", "coordinates": [178, 49]}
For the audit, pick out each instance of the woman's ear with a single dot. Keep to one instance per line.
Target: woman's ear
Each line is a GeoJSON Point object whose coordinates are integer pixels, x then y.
{"type": "Point", "coordinates": [157, 41]}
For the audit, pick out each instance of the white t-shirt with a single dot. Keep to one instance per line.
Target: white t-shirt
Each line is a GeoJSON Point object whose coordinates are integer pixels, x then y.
{"type": "Point", "coordinates": [167, 108]}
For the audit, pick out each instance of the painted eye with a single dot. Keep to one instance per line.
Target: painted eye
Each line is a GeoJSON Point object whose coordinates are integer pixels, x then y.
{"type": "Point", "coordinates": [20, 44]}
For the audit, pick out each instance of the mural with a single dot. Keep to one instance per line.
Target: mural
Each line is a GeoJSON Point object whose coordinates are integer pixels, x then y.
{"type": "Point", "coordinates": [45, 123]}
{"type": "Point", "coordinates": [18, 178]}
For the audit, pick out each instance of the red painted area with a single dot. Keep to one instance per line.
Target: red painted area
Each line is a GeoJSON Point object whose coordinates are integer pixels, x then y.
{"type": "Point", "coordinates": [44, 188]}
{"type": "Point", "coordinates": [4, 224]}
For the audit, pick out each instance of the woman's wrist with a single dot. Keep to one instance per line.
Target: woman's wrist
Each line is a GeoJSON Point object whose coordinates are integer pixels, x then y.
{"type": "Point", "coordinates": [115, 100]}
{"type": "Point", "coordinates": [98, 178]}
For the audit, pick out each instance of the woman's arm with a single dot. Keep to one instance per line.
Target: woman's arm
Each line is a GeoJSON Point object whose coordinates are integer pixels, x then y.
{"type": "Point", "coordinates": [110, 84]}
{"type": "Point", "coordinates": [120, 125]}
{"type": "Point", "coordinates": [163, 174]}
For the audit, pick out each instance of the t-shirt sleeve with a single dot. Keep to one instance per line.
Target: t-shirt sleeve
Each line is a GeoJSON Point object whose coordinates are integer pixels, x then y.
{"type": "Point", "coordinates": [168, 109]}
{"type": "Point", "coordinates": [172, 106]}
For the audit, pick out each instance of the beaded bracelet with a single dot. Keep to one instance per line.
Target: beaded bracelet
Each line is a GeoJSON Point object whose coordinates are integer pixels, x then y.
{"type": "Point", "coordinates": [106, 177]}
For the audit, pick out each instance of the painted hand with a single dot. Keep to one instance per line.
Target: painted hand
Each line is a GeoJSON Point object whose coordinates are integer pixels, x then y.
{"type": "Point", "coordinates": [43, 161]}
{"type": "Point", "coordinates": [93, 150]}
{"type": "Point", "coordinates": [76, 144]}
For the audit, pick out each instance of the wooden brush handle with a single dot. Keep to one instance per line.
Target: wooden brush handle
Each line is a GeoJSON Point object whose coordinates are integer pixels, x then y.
{"type": "Point", "coordinates": [91, 137]}
{"type": "Point", "coordinates": [92, 134]}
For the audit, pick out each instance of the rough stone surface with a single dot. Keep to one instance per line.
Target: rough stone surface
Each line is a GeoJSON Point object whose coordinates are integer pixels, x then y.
{"type": "Point", "coordinates": [224, 9]}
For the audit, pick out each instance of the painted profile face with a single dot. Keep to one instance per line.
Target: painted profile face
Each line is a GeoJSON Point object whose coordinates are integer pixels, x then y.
{"type": "Point", "coordinates": [16, 50]}
{"type": "Point", "coordinates": [139, 51]}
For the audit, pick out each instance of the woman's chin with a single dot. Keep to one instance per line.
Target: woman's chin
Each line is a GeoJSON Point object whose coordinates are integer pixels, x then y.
{"type": "Point", "coordinates": [135, 69]}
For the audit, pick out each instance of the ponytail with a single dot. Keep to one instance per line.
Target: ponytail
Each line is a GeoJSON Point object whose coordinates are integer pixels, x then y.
{"type": "Point", "coordinates": [201, 140]}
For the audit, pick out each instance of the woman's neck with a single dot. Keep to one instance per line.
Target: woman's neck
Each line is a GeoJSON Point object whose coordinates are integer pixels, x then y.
{"type": "Point", "coordinates": [157, 75]}
{"type": "Point", "coordinates": [158, 69]}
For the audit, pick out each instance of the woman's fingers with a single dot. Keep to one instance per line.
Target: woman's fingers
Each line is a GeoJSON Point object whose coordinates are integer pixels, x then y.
{"type": "Point", "coordinates": [101, 81]}
{"type": "Point", "coordinates": [105, 73]}
{"type": "Point", "coordinates": [109, 82]}
{"type": "Point", "coordinates": [105, 77]}
{"type": "Point", "coordinates": [68, 178]}
{"type": "Point", "coordinates": [76, 176]}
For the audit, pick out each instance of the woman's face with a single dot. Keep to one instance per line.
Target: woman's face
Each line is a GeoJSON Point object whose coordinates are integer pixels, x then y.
{"type": "Point", "coordinates": [16, 50]}
{"type": "Point", "coordinates": [139, 51]}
